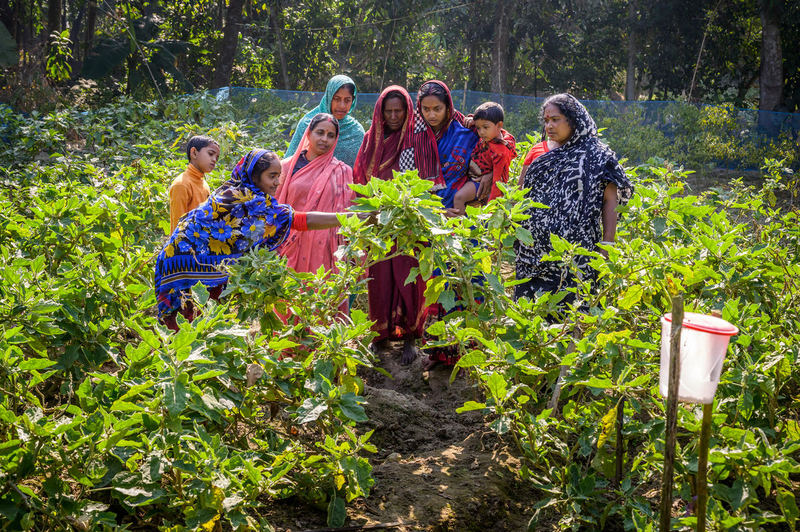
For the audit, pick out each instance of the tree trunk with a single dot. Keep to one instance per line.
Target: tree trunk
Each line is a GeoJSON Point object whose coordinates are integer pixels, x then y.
{"type": "Point", "coordinates": [771, 82]}
{"type": "Point", "coordinates": [230, 40]}
{"type": "Point", "coordinates": [131, 64]}
{"type": "Point", "coordinates": [500, 48]}
{"type": "Point", "coordinates": [53, 18]}
{"type": "Point", "coordinates": [75, 31]}
{"type": "Point", "coordinates": [275, 13]}
{"type": "Point", "coordinates": [91, 20]}
{"type": "Point", "coordinates": [19, 30]}
{"type": "Point", "coordinates": [473, 63]}
{"type": "Point", "coordinates": [630, 79]}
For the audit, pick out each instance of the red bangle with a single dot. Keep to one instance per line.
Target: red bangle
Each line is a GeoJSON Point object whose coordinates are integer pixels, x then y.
{"type": "Point", "coordinates": [300, 221]}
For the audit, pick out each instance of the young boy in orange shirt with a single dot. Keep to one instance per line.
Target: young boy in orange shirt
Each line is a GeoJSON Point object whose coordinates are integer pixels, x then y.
{"type": "Point", "coordinates": [190, 189]}
{"type": "Point", "coordinates": [493, 154]}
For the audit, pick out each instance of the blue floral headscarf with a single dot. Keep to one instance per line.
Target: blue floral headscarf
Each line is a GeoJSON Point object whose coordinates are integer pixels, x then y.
{"type": "Point", "coordinates": [351, 133]}
{"type": "Point", "coordinates": [237, 217]}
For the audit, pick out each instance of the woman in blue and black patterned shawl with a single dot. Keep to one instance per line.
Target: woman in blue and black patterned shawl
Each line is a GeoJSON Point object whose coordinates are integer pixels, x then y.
{"type": "Point", "coordinates": [580, 180]}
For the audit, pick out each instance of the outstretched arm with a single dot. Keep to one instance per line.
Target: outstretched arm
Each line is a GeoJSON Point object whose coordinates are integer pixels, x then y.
{"type": "Point", "coordinates": [327, 220]}
{"type": "Point", "coordinates": [321, 220]}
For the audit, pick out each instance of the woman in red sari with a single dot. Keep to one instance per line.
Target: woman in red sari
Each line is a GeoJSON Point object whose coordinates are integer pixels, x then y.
{"type": "Point", "coordinates": [396, 308]}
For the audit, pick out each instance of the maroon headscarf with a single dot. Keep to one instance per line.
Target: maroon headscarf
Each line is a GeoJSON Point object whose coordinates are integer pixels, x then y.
{"type": "Point", "coordinates": [380, 154]}
{"type": "Point", "coordinates": [422, 142]}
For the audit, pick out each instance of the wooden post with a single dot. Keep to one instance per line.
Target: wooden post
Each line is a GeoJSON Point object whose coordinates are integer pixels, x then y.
{"type": "Point", "coordinates": [702, 459]}
{"type": "Point", "coordinates": [672, 414]}
{"type": "Point", "coordinates": [702, 467]}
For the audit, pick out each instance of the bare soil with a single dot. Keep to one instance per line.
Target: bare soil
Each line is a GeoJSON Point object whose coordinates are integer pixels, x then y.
{"type": "Point", "coordinates": [435, 470]}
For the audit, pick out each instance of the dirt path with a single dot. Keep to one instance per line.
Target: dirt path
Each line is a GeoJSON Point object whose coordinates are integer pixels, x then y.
{"type": "Point", "coordinates": [435, 470]}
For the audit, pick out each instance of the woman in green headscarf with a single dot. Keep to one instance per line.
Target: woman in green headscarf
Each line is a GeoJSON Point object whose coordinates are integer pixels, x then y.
{"type": "Point", "coordinates": [338, 100]}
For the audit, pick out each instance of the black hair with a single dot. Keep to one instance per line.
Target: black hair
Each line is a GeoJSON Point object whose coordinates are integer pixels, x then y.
{"type": "Point", "coordinates": [349, 86]}
{"type": "Point", "coordinates": [262, 164]}
{"type": "Point", "coordinates": [198, 142]}
{"type": "Point", "coordinates": [395, 94]}
{"type": "Point", "coordinates": [566, 104]}
{"type": "Point", "coordinates": [433, 89]}
{"type": "Point", "coordinates": [491, 111]}
{"type": "Point", "coordinates": [323, 117]}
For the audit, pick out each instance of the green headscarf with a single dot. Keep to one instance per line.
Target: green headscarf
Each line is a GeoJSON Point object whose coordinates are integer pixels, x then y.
{"type": "Point", "coordinates": [351, 133]}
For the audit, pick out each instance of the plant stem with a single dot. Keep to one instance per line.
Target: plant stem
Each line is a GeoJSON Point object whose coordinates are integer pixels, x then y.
{"type": "Point", "coordinates": [620, 454]}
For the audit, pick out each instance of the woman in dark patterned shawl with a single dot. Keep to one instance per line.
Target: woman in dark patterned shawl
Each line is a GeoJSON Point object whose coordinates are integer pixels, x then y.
{"type": "Point", "coordinates": [582, 182]}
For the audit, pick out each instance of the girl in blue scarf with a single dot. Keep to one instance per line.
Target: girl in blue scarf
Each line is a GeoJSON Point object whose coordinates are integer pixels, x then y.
{"type": "Point", "coordinates": [440, 138]}
{"type": "Point", "coordinates": [339, 100]}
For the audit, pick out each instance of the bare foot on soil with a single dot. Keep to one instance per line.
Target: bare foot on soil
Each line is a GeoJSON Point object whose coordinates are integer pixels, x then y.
{"type": "Point", "coordinates": [430, 364]}
{"type": "Point", "coordinates": [410, 351]}
{"type": "Point", "coordinates": [377, 347]}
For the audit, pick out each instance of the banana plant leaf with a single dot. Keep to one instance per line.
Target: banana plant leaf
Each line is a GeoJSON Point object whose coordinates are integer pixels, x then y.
{"type": "Point", "coordinates": [9, 55]}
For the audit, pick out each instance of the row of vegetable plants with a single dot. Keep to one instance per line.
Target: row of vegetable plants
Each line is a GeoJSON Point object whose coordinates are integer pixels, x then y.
{"type": "Point", "coordinates": [109, 422]}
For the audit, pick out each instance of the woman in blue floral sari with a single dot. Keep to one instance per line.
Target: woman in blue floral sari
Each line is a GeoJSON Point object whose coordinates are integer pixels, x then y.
{"type": "Point", "coordinates": [240, 215]}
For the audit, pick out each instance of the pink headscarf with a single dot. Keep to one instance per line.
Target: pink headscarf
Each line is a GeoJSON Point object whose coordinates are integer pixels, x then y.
{"type": "Point", "coordinates": [322, 185]}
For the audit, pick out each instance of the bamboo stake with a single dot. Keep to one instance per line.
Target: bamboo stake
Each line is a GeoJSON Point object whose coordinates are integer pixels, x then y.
{"type": "Point", "coordinates": [672, 414]}
{"type": "Point", "coordinates": [702, 467]}
{"type": "Point", "coordinates": [702, 459]}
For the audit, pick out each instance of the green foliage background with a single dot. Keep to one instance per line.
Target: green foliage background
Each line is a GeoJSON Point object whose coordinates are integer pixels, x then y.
{"type": "Point", "coordinates": [702, 51]}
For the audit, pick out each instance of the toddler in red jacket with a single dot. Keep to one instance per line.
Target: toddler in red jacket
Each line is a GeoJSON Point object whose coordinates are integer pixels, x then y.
{"type": "Point", "coordinates": [493, 154]}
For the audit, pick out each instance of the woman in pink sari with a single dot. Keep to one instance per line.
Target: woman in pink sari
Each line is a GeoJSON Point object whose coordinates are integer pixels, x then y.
{"type": "Point", "coordinates": [397, 308]}
{"type": "Point", "coordinates": [313, 179]}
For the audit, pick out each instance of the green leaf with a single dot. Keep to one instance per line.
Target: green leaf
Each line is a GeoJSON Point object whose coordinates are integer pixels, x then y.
{"type": "Point", "coordinates": [124, 406]}
{"type": "Point", "coordinates": [105, 56]}
{"type": "Point", "coordinates": [176, 395]}
{"type": "Point", "coordinates": [473, 358]}
{"type": "Point", "coordinates": [45, 307]}
{"type": "Point", "coordinates": [9, 55]}
{"type": "Point", "coordinates": [200, 293]}
{"type": "Point", "coordinates": [788, 503]}
{"type": "Point", "coordinates": [434, 288]}
{"type": "Point", "coordinates": [632, 296]}
{"type": "Point", "coordinates": [469, 406]}
{"type": "Point", "coordinates": [210, 374]}
{"type": "Point", "coordinates": [501, 425]}
{"type": "Point", "coordinates": [497, 386]}
{"type": "Point", "coordinates": [310, 410]}
{"type": "Point", "coordinates": [595, 382]}
{"type": "Point", "coordinates": [448, 300]}
{"type": "Point", "coordinates": [351, 408]}
{"type": "Point", "coordinates": [524, 236]}
{"type": "Point", "coordinates": [337, 512]}
{"type": "Point", "coordinates": [35, 364]}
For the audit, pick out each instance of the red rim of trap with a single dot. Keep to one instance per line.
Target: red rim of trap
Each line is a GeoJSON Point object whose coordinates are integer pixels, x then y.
{"type": "Point", "coordinates": [705, 323]}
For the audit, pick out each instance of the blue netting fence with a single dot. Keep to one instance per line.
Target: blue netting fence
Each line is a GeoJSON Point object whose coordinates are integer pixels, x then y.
{"type": "Point", "coordinates": [691, 134]}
